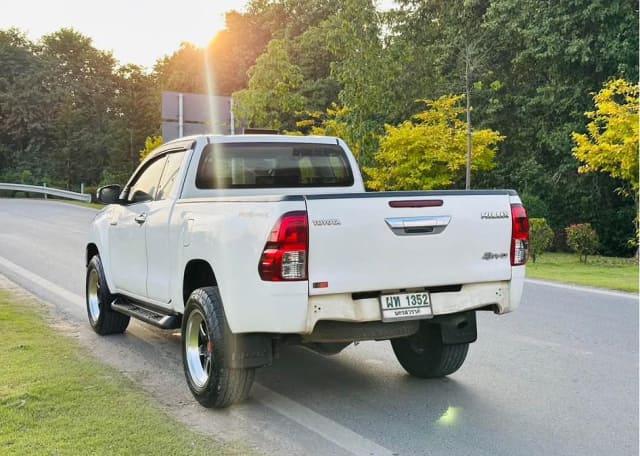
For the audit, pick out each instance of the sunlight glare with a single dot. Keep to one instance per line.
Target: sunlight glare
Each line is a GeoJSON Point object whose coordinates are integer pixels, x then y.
{"type": "Point", "coordinates": [450, 417]}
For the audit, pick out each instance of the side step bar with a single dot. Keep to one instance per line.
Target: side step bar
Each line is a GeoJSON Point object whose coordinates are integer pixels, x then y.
{"type": "Point", "coordinates": [159, 320]}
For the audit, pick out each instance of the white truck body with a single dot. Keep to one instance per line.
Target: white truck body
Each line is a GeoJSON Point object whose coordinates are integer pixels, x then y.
{"type": "Point", "coordinates": [272, 239]}
{"type": "Point", "coordinates": [228, 229]}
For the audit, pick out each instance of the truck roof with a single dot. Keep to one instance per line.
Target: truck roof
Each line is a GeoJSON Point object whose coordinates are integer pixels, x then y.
{"type": "Point", "coordinates": [258, 138]}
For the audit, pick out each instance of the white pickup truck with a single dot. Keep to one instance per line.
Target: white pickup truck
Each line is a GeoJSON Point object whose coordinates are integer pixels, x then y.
{"type": "Point", "coordinates": [249, 242]}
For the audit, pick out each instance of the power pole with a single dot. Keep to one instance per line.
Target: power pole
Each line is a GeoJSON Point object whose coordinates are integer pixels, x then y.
{"type": "Point", "coordinates": [467, 77]}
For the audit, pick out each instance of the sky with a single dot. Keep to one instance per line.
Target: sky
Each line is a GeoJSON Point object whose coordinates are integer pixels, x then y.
{"type": "Point", "coordinates": [136, 31]}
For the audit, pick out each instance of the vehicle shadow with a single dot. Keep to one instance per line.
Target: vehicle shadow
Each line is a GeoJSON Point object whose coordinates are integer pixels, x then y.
{"type": "Point", "coordinates": [360, 389]}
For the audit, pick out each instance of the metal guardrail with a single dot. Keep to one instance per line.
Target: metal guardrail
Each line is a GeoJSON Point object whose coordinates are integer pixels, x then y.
{"type": "Point", "coordinates": [46, 190]}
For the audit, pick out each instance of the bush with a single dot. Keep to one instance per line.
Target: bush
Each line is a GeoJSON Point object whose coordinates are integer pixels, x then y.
{"type": "Point", "coordinates": [91, 190]}
{"type": "Point", "coordinates": [582, 239]}
{"type": "Point", "coordinates": [540, 237]}
{"type": "Point", "coordinates": [535, 206]}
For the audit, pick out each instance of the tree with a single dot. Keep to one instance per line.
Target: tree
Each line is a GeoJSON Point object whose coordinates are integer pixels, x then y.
{"type": "Point", "coordinates": [235, 49]}
{"type": "Point", "coordinates": [85, 119]}
{"type": "Point", "coordinates": [540, 237]}
{"type": "Point", "coordinates": [138, 108]}
{"type": "Point", "coordinates": [430, 152]}
{"type": "Point", "coordinates": [611, 142]}
{"type": "Point", "coordinates": [150, 144]}
{"type": "Point", "coordinates": [182, 71]}
{"type": "Point", "coordinates": [310, 52]}
{"type": "Point", "coordinates": [363, 71]}
{"type": "Point", "coordinates": [449, 37]}
{"type": "Point", "coordinates": [28, 95]}
{"type": "Point", "coordinates": [582, 239]}
{"type": "Point", "coordinates": [333, 122]}
{"type": "Point", "coordinates": [271, 100]}
{"type": "Point", "coordinates": [549, 58]}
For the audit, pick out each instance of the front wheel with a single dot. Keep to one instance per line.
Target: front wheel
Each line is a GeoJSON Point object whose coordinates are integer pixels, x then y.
{"type": "Point", "coordinates": [205, 336]}
{"type": "Point", "coordinates": [103, 320]}
{"type": "Point", "coordinates": [424, 355]}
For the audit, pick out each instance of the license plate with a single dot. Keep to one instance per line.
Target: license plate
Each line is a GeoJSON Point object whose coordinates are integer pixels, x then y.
{"type": "Point", "coordinates": [405, 306]}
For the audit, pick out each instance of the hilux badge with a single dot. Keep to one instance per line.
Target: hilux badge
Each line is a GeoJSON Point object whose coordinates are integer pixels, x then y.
{"type": "Point", "coordinates": [494, 215]}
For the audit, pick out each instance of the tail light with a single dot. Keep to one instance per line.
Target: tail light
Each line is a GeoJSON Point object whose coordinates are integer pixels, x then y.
{"type": "Point", "coordinates": [519, 235]}
{"type": "Point", "coordinates": [285, 254]}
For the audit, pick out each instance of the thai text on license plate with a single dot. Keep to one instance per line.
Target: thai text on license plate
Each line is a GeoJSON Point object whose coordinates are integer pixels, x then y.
{"type": "Point", "coordinates": [405, 306]}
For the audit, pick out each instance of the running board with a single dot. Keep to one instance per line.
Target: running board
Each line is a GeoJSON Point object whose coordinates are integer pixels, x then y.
{"type": "Point", "coordinates": [151, 317]}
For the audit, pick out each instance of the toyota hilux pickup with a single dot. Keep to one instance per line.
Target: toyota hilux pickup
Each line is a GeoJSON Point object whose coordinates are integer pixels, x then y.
{"type": "Point", "coordinates": [248, 242]}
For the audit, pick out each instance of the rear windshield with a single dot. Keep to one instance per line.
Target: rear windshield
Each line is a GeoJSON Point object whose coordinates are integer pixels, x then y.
{"type": "Point", "coordinates": [273, 165]}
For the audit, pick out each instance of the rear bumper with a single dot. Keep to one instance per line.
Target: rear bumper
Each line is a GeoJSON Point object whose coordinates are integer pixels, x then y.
{"type": "Point", "coordinates": [501, 297]}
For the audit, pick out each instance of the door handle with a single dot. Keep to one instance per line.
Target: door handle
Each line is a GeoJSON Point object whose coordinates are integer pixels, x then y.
{"type": "Point", "coordinates": [140, 219]}
{"type": "Point", "coordinates": [402, 226]}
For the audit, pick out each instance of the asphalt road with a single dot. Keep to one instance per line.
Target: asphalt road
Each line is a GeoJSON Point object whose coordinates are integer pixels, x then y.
{"type": "Point", "coordinates": [557, 377]}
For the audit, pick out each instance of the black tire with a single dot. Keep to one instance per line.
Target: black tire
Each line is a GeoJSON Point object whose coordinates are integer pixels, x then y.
{"type": "Point", "coordinates": [424, 355]}
{"type": "Point", "coordinates": [98, 298]}
{"type": "Point", "coordinates": [205, 337]}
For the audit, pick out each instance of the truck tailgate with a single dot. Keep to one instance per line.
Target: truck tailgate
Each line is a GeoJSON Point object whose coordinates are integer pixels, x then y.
{"type": "Point", "coordinates": [387, 241]}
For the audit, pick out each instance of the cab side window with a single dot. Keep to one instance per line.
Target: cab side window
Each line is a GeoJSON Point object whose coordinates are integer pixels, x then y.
{"type": "Point", "coordinates": [170, 174]}
{"type": "Point", "coordinates": [145, 186]}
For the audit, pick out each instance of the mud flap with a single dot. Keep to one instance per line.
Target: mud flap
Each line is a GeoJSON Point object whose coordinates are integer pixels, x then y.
{"type": "Point", "coordinates": [457, 328]}
{"type": "Point", "coordinates": [248, 350]}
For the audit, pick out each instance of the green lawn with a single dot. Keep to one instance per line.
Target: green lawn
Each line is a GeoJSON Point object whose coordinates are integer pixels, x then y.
{"type": "Point", "coordinates": [601, 272]}
{"type": "Point", "coordinates": [80, 203]}
{"type": "Point", "coordinates": [56, 400]}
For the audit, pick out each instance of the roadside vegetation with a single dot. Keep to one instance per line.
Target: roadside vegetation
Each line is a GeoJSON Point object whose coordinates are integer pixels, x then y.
{"type": "Point", "coordinates": [546, 91]}
{"type": "Point", "coordinates": [54, 399]}
{"type": "Point", "coordinates": [600, 272]}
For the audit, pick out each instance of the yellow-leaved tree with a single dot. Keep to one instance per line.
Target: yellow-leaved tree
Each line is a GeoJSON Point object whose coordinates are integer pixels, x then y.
{"type": "Point", "coordinates": [335, 122]}
{"type": "Point", "coordinates": [150, 144]}
{"type": "Point", "coordinates": [611, 142]}
{"type": "Point", "coordinates": [429, 152]}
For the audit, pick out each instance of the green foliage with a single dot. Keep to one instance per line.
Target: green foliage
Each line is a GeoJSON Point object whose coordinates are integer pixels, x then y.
{"type": "Point", "coordinates": [611, 142]}
{"type": "Point", "coordinates": [70, 114]}
{"type": "Point", "coordinates": [430, 152]}
{"type": "Point", "coordinates": [334, 122]}
{"type": "Point", "coordinates": [550, 57]}
{"type": "Point", "coordinates": [271, 100]}
{"type": "Point", "coordinates": [536, 208]}
{"type": "Point", "coordinates": [540, 237]}
{"type": "Point", "coordinates": [582, 239]}
{"type": "Point", "coordinates": [183, 71]}
{"type": "Point", "coordinates": [235, 49]}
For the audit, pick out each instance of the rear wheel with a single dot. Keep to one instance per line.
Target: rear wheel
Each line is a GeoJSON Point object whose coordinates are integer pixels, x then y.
{"type": "Point", "coordinates": [103, 320]}
{"type": "Point", "coordinates": [424, 355]}
{"type": "Point", "coordinates": [205, 336]}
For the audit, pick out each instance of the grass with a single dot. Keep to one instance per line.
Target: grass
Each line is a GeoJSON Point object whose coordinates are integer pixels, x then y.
{"type": "Point", "coordinates": [56, 400]}
{"type": "Point", "coordinates": [57, 200]}
{"type": "Point", "coordinates": [600, 272]}
{"type": "Point", "coordinates": [81, 203]}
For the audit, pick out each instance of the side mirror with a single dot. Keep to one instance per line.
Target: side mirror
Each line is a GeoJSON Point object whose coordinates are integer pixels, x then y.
{"type": "Point", "coordinates": [109, 194]}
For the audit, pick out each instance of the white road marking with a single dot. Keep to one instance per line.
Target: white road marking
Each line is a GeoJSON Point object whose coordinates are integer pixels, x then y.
{"type": "Point", "coordinates": [327, 428]}
{"type": "Point", "coordinates": [330, 430]}
{"type": "Point", "coordinates": [44, 283]}
{"type": "Point", "coordinates": [617, 294]}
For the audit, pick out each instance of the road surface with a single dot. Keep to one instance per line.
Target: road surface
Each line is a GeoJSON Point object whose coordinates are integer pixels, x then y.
{"type": "Point", "coordinates": [557, 377]}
